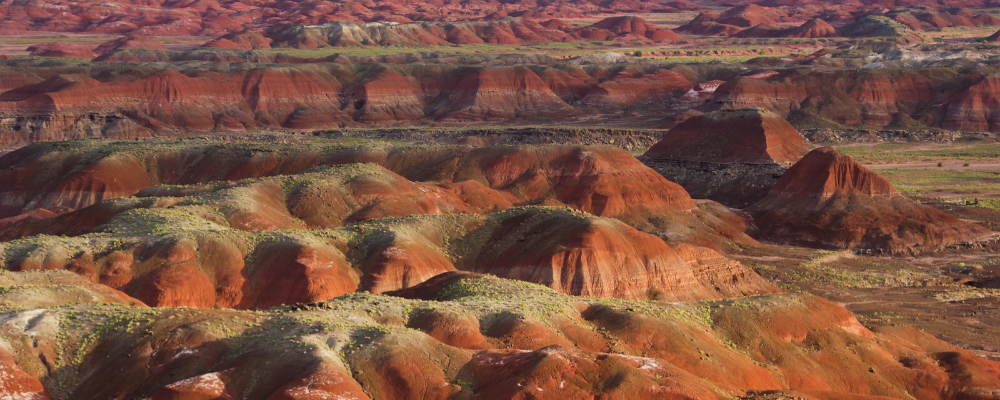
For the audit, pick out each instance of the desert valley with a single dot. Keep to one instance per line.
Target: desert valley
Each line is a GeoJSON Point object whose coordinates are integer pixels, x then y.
{"type": "Point", "coordinates": [477, 199]}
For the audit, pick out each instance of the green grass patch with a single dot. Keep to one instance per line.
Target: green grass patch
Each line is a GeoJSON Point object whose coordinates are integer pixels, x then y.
{"type": "Point", "coordinates": [894, 153]}
{"type": "Point", "coordinates": [920, 181]}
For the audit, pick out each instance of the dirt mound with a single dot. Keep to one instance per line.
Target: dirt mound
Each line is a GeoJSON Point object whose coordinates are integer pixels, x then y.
{"type": "Point", "coordinates": [38, 289]}
{"type": "Point", "coordinates": [881, 26]}
{"type": "Point", "coordinates": [139, 101]}
{"type": "Point", "coordinates": [728, 136]}
{"type": "Point", "coordinates": [814, 28]}
{"type": "Point", "coordinates": [305, 96]}
{"type": "Point", "coordinates": [627, 29]}
{"type": "Point", "coordinates": [731, 156]}
{"type": "Point", "coordinates": [601, 180]}
{"type": "Point", "coordinates": [705, 24]}
{"type": "Point", "coordinates": [202, 266]}
{"type": "Point", "coordinates": [345, 33]}
{"type": "Point", "coordinates": [201, 18]}
{"type": "Point", "coordinates": [62, 49]}
{"type": "Point", "coordinates": [994, 38]}
{"type": "Point", "coordinates": [129, 42]}
{"type": "Point", "coordinates": [205, 264]}
{"type": "Point", "coordinates": [925, 19]}
{"type": "Point", "coordinates": [18, 384]}
{"type": "Point", "coordinates": [749, 15]}
{"type": "Point", "coordinates": [509, 339]}
{"type": "Point", "coordinates": [606, 258]}
{"type": "Point", "coordinates": [877, 97]}
{"type": "Point", "coordinates": [604, 181]}
{"type": "Point", "coordinates": [830, 201]}
{"type": "Point", "coordinates": [508, 31]}
{"type": "Point", "coordinates": [386, 96]}
{"type": "Point", "coordinates": [246, 40]}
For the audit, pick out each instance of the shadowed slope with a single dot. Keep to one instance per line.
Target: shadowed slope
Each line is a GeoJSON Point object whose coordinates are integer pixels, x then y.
{"type": "Point", "coordinates": [829, 200]}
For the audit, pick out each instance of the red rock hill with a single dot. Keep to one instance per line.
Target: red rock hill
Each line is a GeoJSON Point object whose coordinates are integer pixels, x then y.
{"type": "Point", "coordinates": [62, 49]}
{"type": "Point", "coordinates": [129, 42]}
{"type": "Point", "coordinates": [828, 200]}
{"type": "Point", "coordinates": [746, 136]}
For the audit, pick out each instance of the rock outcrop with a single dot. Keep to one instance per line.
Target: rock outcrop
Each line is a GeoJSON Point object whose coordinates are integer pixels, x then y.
{"type": "Point", "coordinates": [55, 101]}
{"type": "Point", "coordinates": [749, 15]}
{"type": "Point", "coordinates": [200, 18]}
{"type": "Point", "coordinates": [204, 264]}
{"type": "Point", "coordinates": [828, 200]}
{"type": "Point", "coordinates": [705, 24]}
{"type": "Point", "coordinates": [629, 89]}
{"type": "Point", "coordinates": [502, 93]}
{"type": "Point", "coordinates": [472, 335]}
{"type": "Point", "coordinates": [814, 28]}
{"type": "Point", "coordinates": [129, 42]}
{"type": "Point", "coordinates": [505, 31]}
{"type": "Point", "coordinates": [53, 288]}
{"type": "Point", "coordinates": [730, 156]}
{"type": "Point", "coordinates": [255, 250]}
{"type": "Point", "coordinates": [732, 136]}
{"type": "Point", "coordinates": [627, 29]}
{"type": "Point", "coordinates": [246, 40]}
{"type": "Point", "coordinates": [970, 108]}
{"type": "Point", "coordinates": [62, 49]}
{"type": "Point", "coordinates": [924, 19]}
{"type": "Point", "coordinates": [881, 26]}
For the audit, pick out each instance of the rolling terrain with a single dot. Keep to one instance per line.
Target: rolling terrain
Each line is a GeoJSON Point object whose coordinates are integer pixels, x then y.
{"type": "Point", "coordinates": [572, 199]}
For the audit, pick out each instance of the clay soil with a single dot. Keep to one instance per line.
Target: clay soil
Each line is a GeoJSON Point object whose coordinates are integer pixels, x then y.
{"type": "Point", "coordinates": [946, 294]}
{"type": "Point", "coordinates": [951, 294]}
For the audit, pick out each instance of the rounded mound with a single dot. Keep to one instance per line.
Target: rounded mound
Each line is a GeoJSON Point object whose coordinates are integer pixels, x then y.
{"type": "Point", "coordinates": [745, 136]}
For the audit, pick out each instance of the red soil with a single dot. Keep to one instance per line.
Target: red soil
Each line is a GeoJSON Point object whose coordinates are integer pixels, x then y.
{"type": "Point", "coordinates": [16, 384]}
{"type": "Point", "coordinates": [206, 18]}
{"type": "Point", "coordinates": [829, 200]}
{"type": "Point", "coordinates": [62, 49]}
{"type": "Point", "coordinates": [136, 103]}
{"type": "Point", "coordinates": [56, 288]}
{"type": "Point", "coordinates": [501, 93]}
{"type": "Point", "coordinates": [129, 42]}
{"type": "Point", "coordinates": [747, 136]}
{"type": "Point", "coordinates": [629, 88]}
{"type": "Point", "coordinates": [970, 109]}
{"type": "Point", "coordinates": [606, 258]}
{"type": "Point", "coordinates": [509, 31]}
{"type": "Point", "coordinates": [627, 29]}
{"type": "Point", "coordinates": [573, 253]}
{"type": "Point", "coordinates": [600, 180]}
{"type": "Point", "coordinates": [246, 40]}
{"type": "Point", "coordinates": [603, 181]}
{"type": "Point", "coordinates": [705, 24]}
{"type": "Point", "coordinates": [484, 337]}
{"type": "Point", "coordinates": [814, 28]}
{"type": "Point", "coordinates": [750, 15]}
{"type": "Point", "coordinates": [928, 19]}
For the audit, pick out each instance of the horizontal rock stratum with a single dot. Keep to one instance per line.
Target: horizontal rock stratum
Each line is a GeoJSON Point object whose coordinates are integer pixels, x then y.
{"type": "Point", "coordinates": [180, 93]}
{"type": "Point", "coordinates": [753, 136]}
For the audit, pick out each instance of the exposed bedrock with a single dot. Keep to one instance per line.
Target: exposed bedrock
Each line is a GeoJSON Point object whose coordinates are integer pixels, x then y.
{"type": "Point", "coordinates": [730, 156]}
{"type": "Point", "coordinates": [828, 200]}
